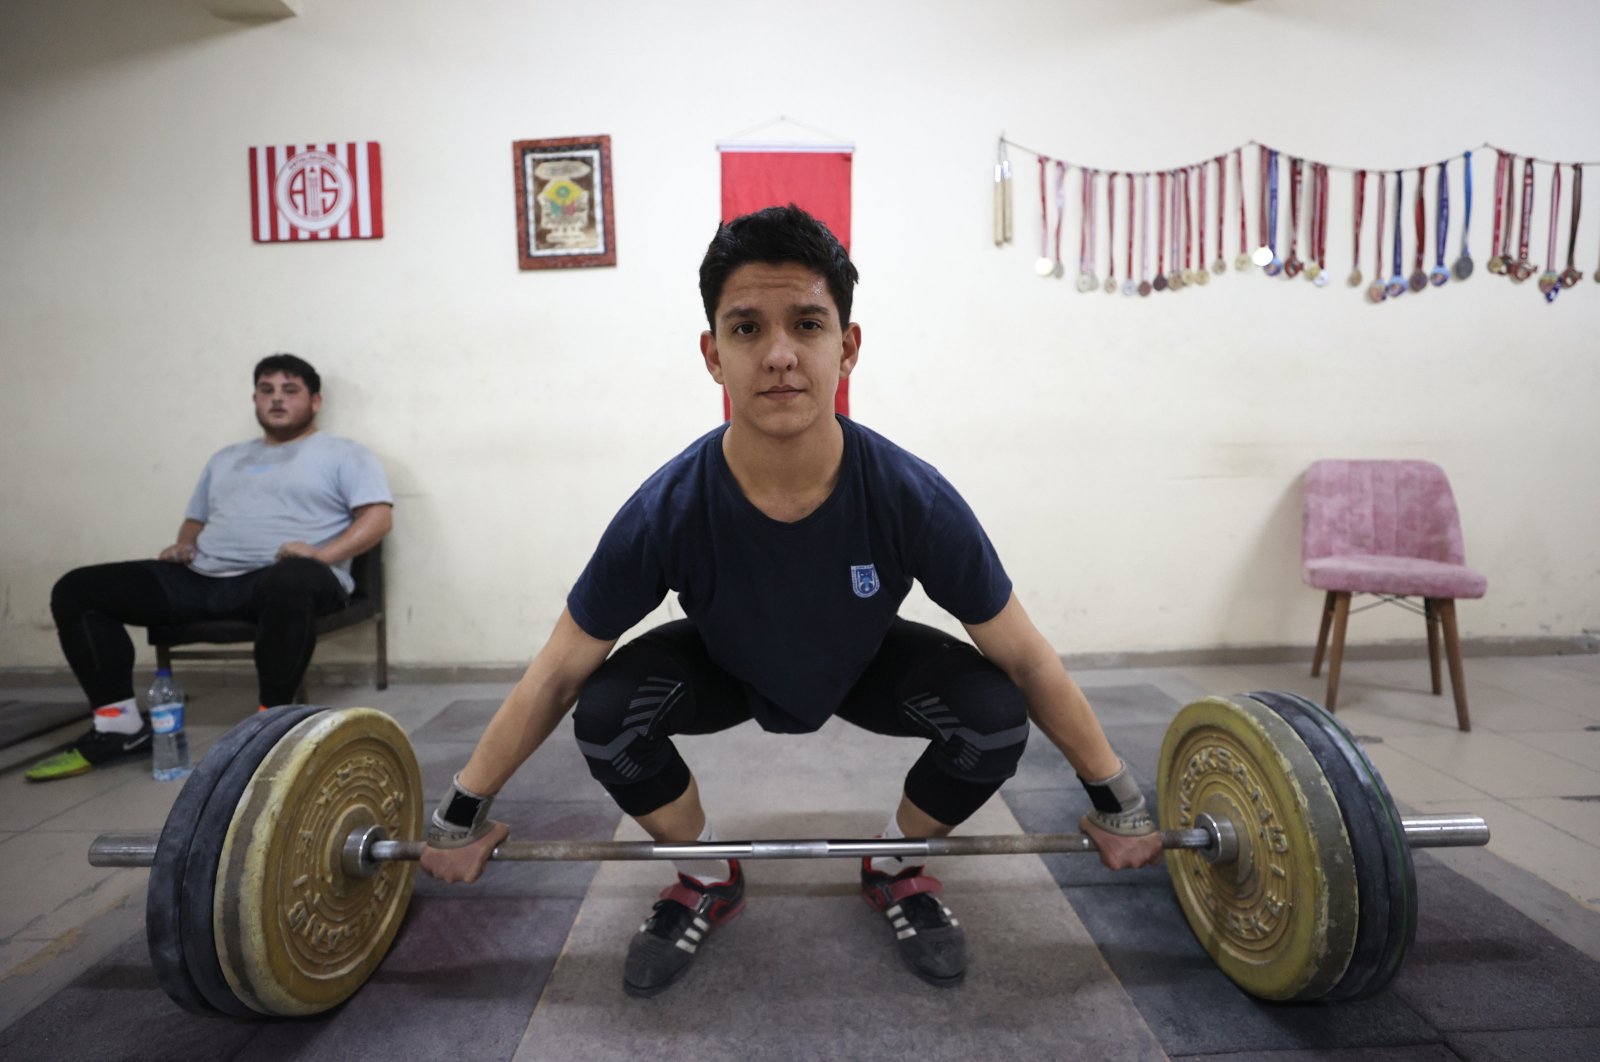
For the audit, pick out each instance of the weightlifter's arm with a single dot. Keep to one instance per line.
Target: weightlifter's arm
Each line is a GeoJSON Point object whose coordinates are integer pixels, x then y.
{"type": "Point", "coordinates": [545, 693]}
{"type": "Point", "coordinates": [1124, 833]}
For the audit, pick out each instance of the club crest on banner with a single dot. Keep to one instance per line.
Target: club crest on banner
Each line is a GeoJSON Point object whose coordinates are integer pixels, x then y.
{"type": "Point", "coordinates": [305, 192]}
{"type": "Point", "coordinates": [864, 579]}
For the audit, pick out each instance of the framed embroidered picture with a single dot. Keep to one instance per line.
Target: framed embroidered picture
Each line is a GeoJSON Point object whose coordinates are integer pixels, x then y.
{"type": "Point", "coordinates": [564, 213]}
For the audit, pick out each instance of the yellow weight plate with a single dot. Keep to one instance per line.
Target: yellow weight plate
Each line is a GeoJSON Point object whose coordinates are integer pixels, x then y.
{"type": "Point", "coordinates": [295, 935]}
{"type": "Point", "coordinates": [1281, 921]}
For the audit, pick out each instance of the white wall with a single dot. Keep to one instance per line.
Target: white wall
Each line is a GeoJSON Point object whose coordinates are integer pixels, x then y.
{"type": "Point", "coordinates": [1136, 461]}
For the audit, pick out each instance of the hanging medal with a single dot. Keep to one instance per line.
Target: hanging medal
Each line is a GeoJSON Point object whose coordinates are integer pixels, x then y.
{"type": "Point", "coordinates": [1463, 267]}
{"type": "Point", "coordinates": [1522, 269]}
{"type": "Point", "coordinates": [1497, 259]}
{"type": "Point", "coordinates": [1266, 256]}
{"type": "Point", "coordinates": [1060, 269]}
{"type": "Point", "coordinates": [1396, 286]}
{"type": "Point", "coordinates": [1378, 292]}
{"type": "Point", "coordinates": [1242, 262]}
{"type": "Point", "coordinates": [1110, 286]}
{"type": "Point", "coordinates": [1441, 227]}
{"type": "Point", "coordinates": [1144, 235]}
{"type": "Point", "coordinates": [1419, 278]}
{"type": "Point", "coordinates": [1571, 275]}
{"type": "Point", "coordinates": [1550, 280]}
{"type": "Point", "coordinates": [1219, 265]}
{"type": "Point", "coordinates": [1505, 239]}
{"type": "Point", "coordinates": [1084, 282]}
{"type": "Point", "coordinates": [1175, 279]}
{"type": "Point", "coordinates": [1129, 286]}
{"type": "Point", "coordinates": [1160, 237]}
{"type": "Point", "coordinates": [1319, 241]}
{"type": "Point", "coordinates": [1201, 276]}
{"type": "Point", "coordinates": [1359, 198]}
{"type": "Point", "coordinates": [1292, 265]}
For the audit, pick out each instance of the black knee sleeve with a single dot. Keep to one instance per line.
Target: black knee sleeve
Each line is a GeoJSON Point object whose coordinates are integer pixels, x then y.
{"type": "Point", "coordinates": [620, 724]}
{"type": "Point", "coordinates": [977, 720]}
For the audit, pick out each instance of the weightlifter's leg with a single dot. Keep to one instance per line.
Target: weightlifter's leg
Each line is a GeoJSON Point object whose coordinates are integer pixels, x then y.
{"type": "Point", "coordinates": [660, 684]}
{"type": "Point", "coordinates": [925, 683]}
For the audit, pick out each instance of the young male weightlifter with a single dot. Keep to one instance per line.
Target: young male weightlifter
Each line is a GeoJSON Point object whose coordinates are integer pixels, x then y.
{"type": "Point", "coordinates": [791, 536]}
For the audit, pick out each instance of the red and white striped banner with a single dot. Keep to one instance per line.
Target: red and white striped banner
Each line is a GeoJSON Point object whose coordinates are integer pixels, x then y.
{"type": "Point", "coordinates": [316, 192]}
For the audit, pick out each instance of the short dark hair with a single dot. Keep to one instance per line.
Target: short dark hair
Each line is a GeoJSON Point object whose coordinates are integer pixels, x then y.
{"type": "Point", "coordinates": [289, 365]}
{"type": "Point", "coordinates": [777, 234]}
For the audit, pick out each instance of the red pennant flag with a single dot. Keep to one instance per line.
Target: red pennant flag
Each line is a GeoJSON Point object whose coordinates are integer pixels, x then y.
{"type": "Point", "coordinates": [816, 181]}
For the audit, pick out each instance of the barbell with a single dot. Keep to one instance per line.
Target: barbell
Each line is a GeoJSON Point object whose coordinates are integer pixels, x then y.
{"type": "Point", "coordinates": [285, 867]}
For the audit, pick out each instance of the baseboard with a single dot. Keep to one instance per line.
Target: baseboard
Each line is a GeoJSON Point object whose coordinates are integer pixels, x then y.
{"type": "Point", "coordinates": [351, 674]}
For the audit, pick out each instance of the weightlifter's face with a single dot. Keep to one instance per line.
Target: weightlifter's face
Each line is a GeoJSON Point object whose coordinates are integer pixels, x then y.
{"type": "Point", "coordinates": [779, 348]}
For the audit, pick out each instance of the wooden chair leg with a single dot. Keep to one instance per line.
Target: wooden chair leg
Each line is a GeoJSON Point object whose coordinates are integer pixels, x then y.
{"type": "Point", "coordinates": [1430, 613]}
{"type": "Point", "coordinates": [1322, 634]}
{"type": "Point", "coordinates": [1341, 618]}
{"type": "Point", "coordinates": [1452, 649]}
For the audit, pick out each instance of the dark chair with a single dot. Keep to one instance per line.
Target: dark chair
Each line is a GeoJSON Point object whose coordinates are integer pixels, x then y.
{"type": "Point", "coordinates": [366, 603]}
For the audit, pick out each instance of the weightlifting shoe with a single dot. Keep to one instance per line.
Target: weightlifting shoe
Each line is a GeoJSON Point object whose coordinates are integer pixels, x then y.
{"type": "Point", "coordinates": [676, 930]}
{"type": "Point", "coordinates": [931, 941]}
{"type": "Point", "coordinates": [90, 751]}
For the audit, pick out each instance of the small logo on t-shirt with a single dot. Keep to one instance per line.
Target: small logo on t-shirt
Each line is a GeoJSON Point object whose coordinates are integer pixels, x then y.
{"type": "Point", "coordinates": [864, 579]}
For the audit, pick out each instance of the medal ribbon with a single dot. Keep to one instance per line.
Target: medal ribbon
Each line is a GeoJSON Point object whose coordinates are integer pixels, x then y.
{"type": "Point", "coordinates": [1296, 167]}
{"type": "Point", "coordinates": [1179, 229]}
{"type": "Point", "coordinates": [1320, 249]}
{"type": "Point", "coordinates": [1144, 226]}
{"type": "Point", "coordinates": [1200, 201]}
{"type": "Point", "coordinates": [1222, 202]}
{"type": "Point", "coordinates": [1111, 225]}
{"type": "Point", "coordinates": [1377, 239]}
{"type": "Point", "coordinates": [1441, 223]}
{"type": "Point", "coordinates": [1083, 222]}
{"type": "Point", "coordinates": [1577, 206]}
{"type": "Point", "coordinates": [1061, 204]}
{"type": "Point", "coordinates": [1527, 210]}
{"type": "Point", "coordinates": [1505, 239]}
{"type": "Point", "coordinates": [1399, 196]}
{"type": "Point", "coordinates": [1238, 180]}
{"type": "Point", "coordinates": [1555, 209]}
{"type": "Point", "coordinates": [1359, 196]}
{"type": "Point", "coordinates": [1466, 213]}
{"type": "Point", "coordinates": [1188, 231]}
{"type": "Point", "coordinates": [1272, 209]}
{"type": "Point", "coordinates": [1130, 226]}
{"type": "Point", "coordinates": [1044, 211]}
{"type": "Point", "coordinates": [1422, 218]}
{"type": "Point", "coordinates": [1501, 162]}
{"type": "Point", "coordinates": [1161, 230]}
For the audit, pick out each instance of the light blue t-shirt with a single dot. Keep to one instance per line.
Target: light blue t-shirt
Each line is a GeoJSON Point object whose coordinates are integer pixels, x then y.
{"type": "Point", "coordinates": [254, 497]}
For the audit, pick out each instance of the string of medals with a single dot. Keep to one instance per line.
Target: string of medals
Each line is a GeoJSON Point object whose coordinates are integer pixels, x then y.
{"type": "Point", "coordinates": [1171, 211]}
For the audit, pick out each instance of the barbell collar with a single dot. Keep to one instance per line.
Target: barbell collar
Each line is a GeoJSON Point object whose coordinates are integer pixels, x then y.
{"type": "Point", "coordinates": [365, 848]}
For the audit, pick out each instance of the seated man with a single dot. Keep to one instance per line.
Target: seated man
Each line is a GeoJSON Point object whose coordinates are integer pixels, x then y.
{"type": "Point", "coordinates": [268, 537]}
{"type": "Point", "coordinates": [792, 536]}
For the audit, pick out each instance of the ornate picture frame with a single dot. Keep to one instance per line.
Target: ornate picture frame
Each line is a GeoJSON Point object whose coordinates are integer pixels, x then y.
{"type": "Point", "coordinates": [565, 218]}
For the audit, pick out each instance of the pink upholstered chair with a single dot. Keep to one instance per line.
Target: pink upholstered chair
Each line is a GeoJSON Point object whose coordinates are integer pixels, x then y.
{"type": "Point", "coordinates": [1387, 528]}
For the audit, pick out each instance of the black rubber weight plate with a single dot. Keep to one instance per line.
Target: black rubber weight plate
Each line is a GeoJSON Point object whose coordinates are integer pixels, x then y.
{"type": "Point", "coordinates": [205, 853]}
{"type": "Point", "coordinates": [1384, 870]}
{"type": "Point", "coordinates": [164, 896]}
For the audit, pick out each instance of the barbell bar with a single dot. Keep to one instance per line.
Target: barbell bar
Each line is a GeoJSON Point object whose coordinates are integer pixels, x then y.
{"type": "Point", "coordinates": [365, 847]}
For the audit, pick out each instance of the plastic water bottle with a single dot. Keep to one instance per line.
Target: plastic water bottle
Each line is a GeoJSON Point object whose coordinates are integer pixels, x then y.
{"type": "Point", "coordinates": [169, 745]}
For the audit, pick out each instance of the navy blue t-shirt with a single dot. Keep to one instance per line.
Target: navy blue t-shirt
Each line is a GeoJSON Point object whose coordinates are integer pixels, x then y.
{"type": "Point", "coordinates": [795, 610]}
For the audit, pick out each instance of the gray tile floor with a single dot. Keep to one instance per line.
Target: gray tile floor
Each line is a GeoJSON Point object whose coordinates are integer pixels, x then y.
{"type": "Point", "coordinates": [1531, 767]}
